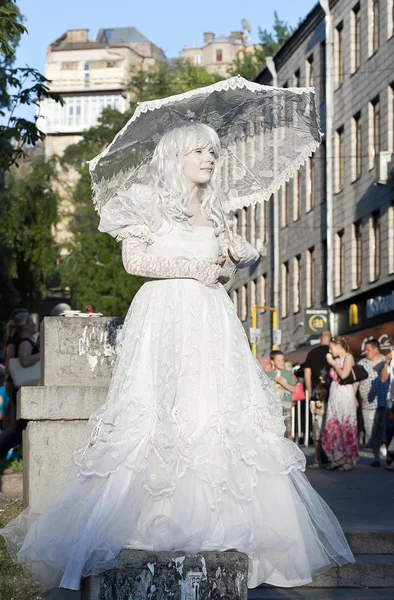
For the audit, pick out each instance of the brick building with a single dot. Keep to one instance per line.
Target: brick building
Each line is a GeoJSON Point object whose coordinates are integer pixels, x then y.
{"type": "Point", "coordinates": [336, 223]}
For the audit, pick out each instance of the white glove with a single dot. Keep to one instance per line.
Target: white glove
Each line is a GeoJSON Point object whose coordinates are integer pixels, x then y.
{"type": "Point", "coordinates": [137, 261]}
{"type": "Point", "coordinates": [245, 252]}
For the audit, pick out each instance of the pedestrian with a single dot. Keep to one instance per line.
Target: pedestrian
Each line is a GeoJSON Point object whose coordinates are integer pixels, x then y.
{"type": "Point", "coordinates": [316, 367]}
{"type": "Point", "coordinates": [387, 375]}
{"type": "Point", "coordinates": [372, 393]}
{"type": "Point", "coordinates": [339, 439]}
{"type": "Point", "coordinates": [318, 409]}
{"type": "Point", "coordinates": [285, 385]}
{"type": "Point", "coordinates": [26, 349]}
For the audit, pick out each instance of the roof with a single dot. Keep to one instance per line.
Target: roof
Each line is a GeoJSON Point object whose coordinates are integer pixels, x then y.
{"type": "Point", "coordinates": [121, 35]}
{"type": "Point", "coordinates": [224, 39]}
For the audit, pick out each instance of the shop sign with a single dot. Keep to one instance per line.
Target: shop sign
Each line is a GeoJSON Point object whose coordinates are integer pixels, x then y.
{"type": "Point", "coordinates": [380, 305]}
{"type": "Point", "coordinates": [316, 321]}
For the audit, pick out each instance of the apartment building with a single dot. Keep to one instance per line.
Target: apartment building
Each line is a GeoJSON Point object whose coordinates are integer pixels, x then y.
{"type": "Point", "coordinates": [90, 75]}
{"type": "Point", "coordinates": [218, 53]}
{"type": "Point", "coordinates": [336, 222]}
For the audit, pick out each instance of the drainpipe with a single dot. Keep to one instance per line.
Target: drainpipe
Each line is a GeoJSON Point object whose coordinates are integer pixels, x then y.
{"type": "Point", "coordinates": [329, 156]}
{"type": "Point", "coordinates": [275, 196]}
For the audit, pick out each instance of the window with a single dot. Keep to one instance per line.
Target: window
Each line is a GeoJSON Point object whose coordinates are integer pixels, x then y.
{"type": "Point", "coordinates": [339, 263]}
{"type": "Point", "coordinates": [310, 184]}
{"type": "Point", "coordinates": [219, 56]}
{"type": "Point", "coordinates": [87, 75]}
{"type": "Point", "coordinates": [235, 300]}
{"type": "Point", "coordinates": [263, 290]}
{"type": "Point", "coordinates": [253, 294]}
{"type": "Point", "coordinates": [296, 283]}
{"type": "Point", "coordinates": [390, 118]}
{"type": "Point", "coordinates": [262, 212]}
{"type": "Point", "coordinates": [340, 159]}
{"type": "Point", "coordinates": [297, 196]}
{"type": "Point", "coordinates": [310, 79]}
{"type": "Point", "coordinates": [374, 131]}
{"type": "Point", "coordinates": [322, 71]}
{"type": "Point", "coordinates": [356, 150]}
{"type": "Point", "coordinates": [374, 246]}
{"type": "Point", "coordinates": [285, 300]}
{"type": "Point", "coordinates": [252, 236]}
{"type": "Point", "coordinates": [284, 202]}
{"type": "Point", "coordinates": [244, 223]}
{"type": "Point", "coordinates": [323, 295]}
{"type": "Point", "coordinates": [198, 60]}
{"type": "Point", "coordinates": [357, 260]}
{"type": "Point", "coordinates": [310, 277]}
{"type": "Point", "coordinates": [356, 37]}
{"type": "Point", "coordinates": [244, 303]}
{"type": "Point", "coordinates": [69, 66]}
{"type": "Point", "coordinates": [339, 55]}
{"type": "Point", "coordinates": [323, 167]}
{"type": "Point", "coordinates": [391, 238]}
{"type": "Point", "coordinates": [297, 78]}
{"type": "Point", "coordinates": [390, 18]}
{"type": "Point", "coordinates": [373, 37]}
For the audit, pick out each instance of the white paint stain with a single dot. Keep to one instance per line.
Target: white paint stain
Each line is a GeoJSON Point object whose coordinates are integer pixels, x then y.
{"type": "Point", "coordinates": [204, 567]}
{"type": "Point", "coordinates": [179, 564]}
{"type": "Point", "coordinates": [151, 568]}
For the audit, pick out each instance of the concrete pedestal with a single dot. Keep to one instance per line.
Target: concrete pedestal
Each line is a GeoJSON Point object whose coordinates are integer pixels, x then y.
{"type": "Point", "coordinates": [172, 576]}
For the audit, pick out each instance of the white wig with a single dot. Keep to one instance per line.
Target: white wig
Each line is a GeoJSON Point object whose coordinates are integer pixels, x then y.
{"type": "Point", "coordinates": [167, 173]}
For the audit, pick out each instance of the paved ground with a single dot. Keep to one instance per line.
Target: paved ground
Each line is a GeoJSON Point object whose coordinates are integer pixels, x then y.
{"type": "Point", "coordinates": [361, 499]}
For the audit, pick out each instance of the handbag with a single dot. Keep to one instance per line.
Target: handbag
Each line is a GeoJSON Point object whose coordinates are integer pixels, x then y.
{"type": "Point", "coordinates": [299, 393]}
{"type": "Point", "coordinates": [24, 376]}
{"type": "Point", "coordinates": [358, 373]}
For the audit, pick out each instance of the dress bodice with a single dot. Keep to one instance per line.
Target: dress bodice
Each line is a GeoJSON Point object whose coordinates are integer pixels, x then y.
{"type": "Point", "coordinates": [182, 241]}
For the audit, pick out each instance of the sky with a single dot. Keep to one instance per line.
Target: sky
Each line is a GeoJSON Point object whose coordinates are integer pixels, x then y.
{"type": "Point", "coordinates": [170, 24]}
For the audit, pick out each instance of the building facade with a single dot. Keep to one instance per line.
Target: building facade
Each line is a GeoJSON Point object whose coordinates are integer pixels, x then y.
{"type": "Point", "coordinates": [218, 53]}
{"type": "Point", "coordinates": [336, 238]}
{"type": "Point", "coordinates": [90, 76]}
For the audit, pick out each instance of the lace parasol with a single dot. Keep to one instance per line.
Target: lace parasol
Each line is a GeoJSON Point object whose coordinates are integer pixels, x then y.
{"type": "Point", "coordinates": [266, 134]}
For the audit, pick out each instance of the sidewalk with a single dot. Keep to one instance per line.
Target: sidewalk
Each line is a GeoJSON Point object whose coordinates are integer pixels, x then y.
{"type": "Point", "coordinates": [362, 499]}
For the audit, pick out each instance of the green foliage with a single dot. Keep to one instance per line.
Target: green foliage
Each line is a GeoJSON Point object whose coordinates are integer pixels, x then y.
{"type": "Point", "coordinates": [250, 65]}
{"type": "Point", "coordinates": [28, 213]}
{"type": "Point", "coordinates": [18, 87]}
{"type": "Point", "coordinates": [169, 78]}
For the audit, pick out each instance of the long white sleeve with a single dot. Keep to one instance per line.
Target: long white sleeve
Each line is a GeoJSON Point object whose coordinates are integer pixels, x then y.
{"type": "Point", "coordinates": [247, 253]}
{"type": "Point", "coordinates": [137, 261]}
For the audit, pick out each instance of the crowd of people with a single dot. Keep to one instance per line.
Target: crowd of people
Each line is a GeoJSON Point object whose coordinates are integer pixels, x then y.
{"type": "Point", "coordinates": [350, 405]}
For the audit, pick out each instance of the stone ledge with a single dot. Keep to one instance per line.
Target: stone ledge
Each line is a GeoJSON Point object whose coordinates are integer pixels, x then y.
{"type": "Point", "coordinates": [172, 575]}
{"type": "Point", "coordinates": [55, 403]}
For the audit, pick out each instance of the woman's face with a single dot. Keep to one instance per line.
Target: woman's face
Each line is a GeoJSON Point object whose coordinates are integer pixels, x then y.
{"type": "Point", "coordinates": [199, 165]}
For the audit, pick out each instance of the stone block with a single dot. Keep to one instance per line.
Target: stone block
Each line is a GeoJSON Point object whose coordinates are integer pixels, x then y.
{"type": "Point", "coordinates": [48, 448]}
{"type": "Point", "coordinates": [56, 403]}
{"type": "Point", "coordinates": [78, 351]}
{"type": "Point", "coordinates": [146, 575]}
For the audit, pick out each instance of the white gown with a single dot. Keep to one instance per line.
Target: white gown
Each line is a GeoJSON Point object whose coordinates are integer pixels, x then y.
{"type": "Point", "coordinates": [188, 452]}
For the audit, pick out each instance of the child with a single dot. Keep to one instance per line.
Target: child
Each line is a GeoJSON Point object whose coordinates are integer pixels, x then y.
{"type": "Point", "coordinates": [285, 385]}
{"type": "Point", "coordinates": [318, 408]}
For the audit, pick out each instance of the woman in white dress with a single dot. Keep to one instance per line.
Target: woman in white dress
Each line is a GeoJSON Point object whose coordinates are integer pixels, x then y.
{"type": "Point", "coordinates": [188, 452]}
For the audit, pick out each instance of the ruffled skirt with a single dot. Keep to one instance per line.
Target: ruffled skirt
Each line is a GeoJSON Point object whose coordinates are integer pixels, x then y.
{"type": "Point", "coordinates": [186, 454]}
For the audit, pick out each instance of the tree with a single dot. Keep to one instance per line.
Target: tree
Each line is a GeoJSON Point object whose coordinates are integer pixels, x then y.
{"type": "Point", "coordinates": [18, 87]}
{"type": "Point", "coordinates": [250, 65]}
{"type": "Point", "coordinates": [28, 213]}
{"type": "Point", "coordinates": [169, 78]}
{"type": "Point", "coordinates": [93, 267]}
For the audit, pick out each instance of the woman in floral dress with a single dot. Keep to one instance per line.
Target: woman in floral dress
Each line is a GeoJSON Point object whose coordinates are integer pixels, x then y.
{"type": "Point", "coordinates": [340, 432]}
